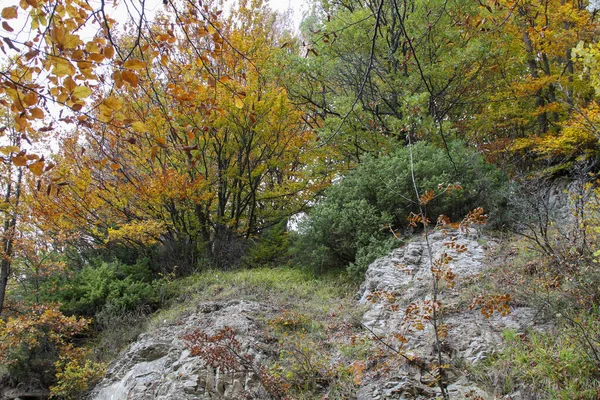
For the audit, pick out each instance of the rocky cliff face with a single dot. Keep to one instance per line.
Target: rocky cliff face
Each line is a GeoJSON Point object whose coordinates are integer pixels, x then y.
{"type": "Point", "coordinates": [159, 365]}
{"type": "Point", "coordinates": [471, 336]}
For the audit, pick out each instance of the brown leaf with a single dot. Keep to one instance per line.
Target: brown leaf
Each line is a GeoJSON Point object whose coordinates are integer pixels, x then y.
{"type": "Point", "coordinates": [20, 160]}
{"type": "Point", "coordinates": [7, 27]}
{"type": "Point", "coordinates": [109, 52]}
{"type": "Point", "coordinates": [9, 12]}
{"type": "Point", "coordinates": [37, 113]}
{"type": "Point", "coordinates": [37, 168]}
{"type": "Point", "coordinates": [10, 44]}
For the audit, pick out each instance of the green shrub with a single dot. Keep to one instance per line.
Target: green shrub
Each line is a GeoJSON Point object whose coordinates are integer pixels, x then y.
{"type": "Point", "coordinates": [122, 287]}
{"type": "Point", "coordinates": [348, 226]}
{"type": "Point", "coordinates": [75, 374]}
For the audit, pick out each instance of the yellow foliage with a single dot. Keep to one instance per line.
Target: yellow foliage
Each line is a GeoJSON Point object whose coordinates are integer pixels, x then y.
{"type": "Point", "coordinates": [143, 233]}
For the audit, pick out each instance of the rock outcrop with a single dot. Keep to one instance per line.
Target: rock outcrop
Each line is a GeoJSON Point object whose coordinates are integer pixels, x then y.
{"type": "Point", "coordinates": [471, 336]}
{"type": "Point", "coordinates": [159, 364]}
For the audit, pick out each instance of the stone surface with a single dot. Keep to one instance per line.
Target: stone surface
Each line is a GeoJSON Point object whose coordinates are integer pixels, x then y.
{"type": "Point", "coordinates": [471, 337]}
{"type": "Point", "coordinates": [159, 365]}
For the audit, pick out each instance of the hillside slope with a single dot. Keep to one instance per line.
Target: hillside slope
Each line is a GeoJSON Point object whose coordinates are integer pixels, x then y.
{"type": "Point", "coordinates": [335, 346]}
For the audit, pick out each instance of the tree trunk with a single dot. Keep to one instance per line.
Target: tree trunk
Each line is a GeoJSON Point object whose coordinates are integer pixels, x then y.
{"type": "Point", "coordinates": [9, 237]}
{"type": "Point", "coordinates": [539, 99]}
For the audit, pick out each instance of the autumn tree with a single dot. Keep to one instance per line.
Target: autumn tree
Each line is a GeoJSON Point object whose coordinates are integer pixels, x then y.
{"type": "Point", "coordinates": [196, 142]}
{"type": "Point", "coordinates": [537, 90]}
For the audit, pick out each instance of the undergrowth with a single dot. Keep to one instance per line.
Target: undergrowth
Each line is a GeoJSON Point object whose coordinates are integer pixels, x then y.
{"type": "Point", "coordinates": [558, 356]}
{"type": "Point", "coordinates": [312, 321]}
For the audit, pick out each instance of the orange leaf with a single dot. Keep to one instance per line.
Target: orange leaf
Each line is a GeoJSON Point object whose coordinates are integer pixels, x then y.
{"type": "Point", "coordinates": [130, 77]}
{"type": "Point", "coordinates": [30, 99]}
{"type": "Point", "coordinates": [161, 142]}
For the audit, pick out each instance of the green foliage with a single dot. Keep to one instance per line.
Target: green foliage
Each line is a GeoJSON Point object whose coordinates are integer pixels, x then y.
{"type": "Point", "coordinates": [303, 363]}
{"type": "Point", "coordinates": [350, 224]}
{"type": "Point", "coordinates": [271, 247]}
{"type": "Point", "coordinates": [290, 321]}
{"type": "Point", "coordinates": [106, 284]}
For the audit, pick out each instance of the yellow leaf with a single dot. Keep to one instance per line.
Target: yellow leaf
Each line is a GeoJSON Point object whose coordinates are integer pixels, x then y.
{"type": "Point", "coordinates": [135, 64]}
{"type": "Point", "coordinates": [62, 67]}
{"type": "Point", "coordinates": [81, 92]}
{"type": "Point", "coordinates": [71, 41]}
{"type": "Point", "coordinates": [92, 48]}
{"type": "Point", "coordinates": [238, 102]}
{"type": "Point", "coordinates": [139, 127]}
{"type": "Point", "coordinates": [115, 166]}
{"type": "Point", "coordinates": [6, 150]}
{"type": "Point", "coordinates": [112, 103]}
{"type": "Point", "coordinates": [37, 168]}
{"type": "Point", "coordinates": [154, 152]}
{"type": "Point", "coordinates": [9, 12]}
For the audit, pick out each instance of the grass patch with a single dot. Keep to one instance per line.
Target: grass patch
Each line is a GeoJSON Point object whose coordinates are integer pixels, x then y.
{"type": "Point", "coordinates": [313, 322]}
{"type": "Point", "coordinates": [549, 365]}
{"type": "Point", "coordinates": [558, 363]}
{"type": "Point", "coordinates": [285, 287]}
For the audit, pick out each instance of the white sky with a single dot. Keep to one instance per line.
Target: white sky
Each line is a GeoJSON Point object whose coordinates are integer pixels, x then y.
{"type": "Point", "coordinates": [121, 13]}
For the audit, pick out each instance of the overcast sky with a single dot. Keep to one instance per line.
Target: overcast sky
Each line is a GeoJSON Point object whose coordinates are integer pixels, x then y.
{"type": "Point", "coordinates": [131, 7]}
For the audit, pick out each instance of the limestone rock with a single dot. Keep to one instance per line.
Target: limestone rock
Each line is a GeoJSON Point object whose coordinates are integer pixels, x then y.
{"type": "Point", "coordinates": [471, 337]}
{"type": "Point", "coordinates": [159, 365]}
